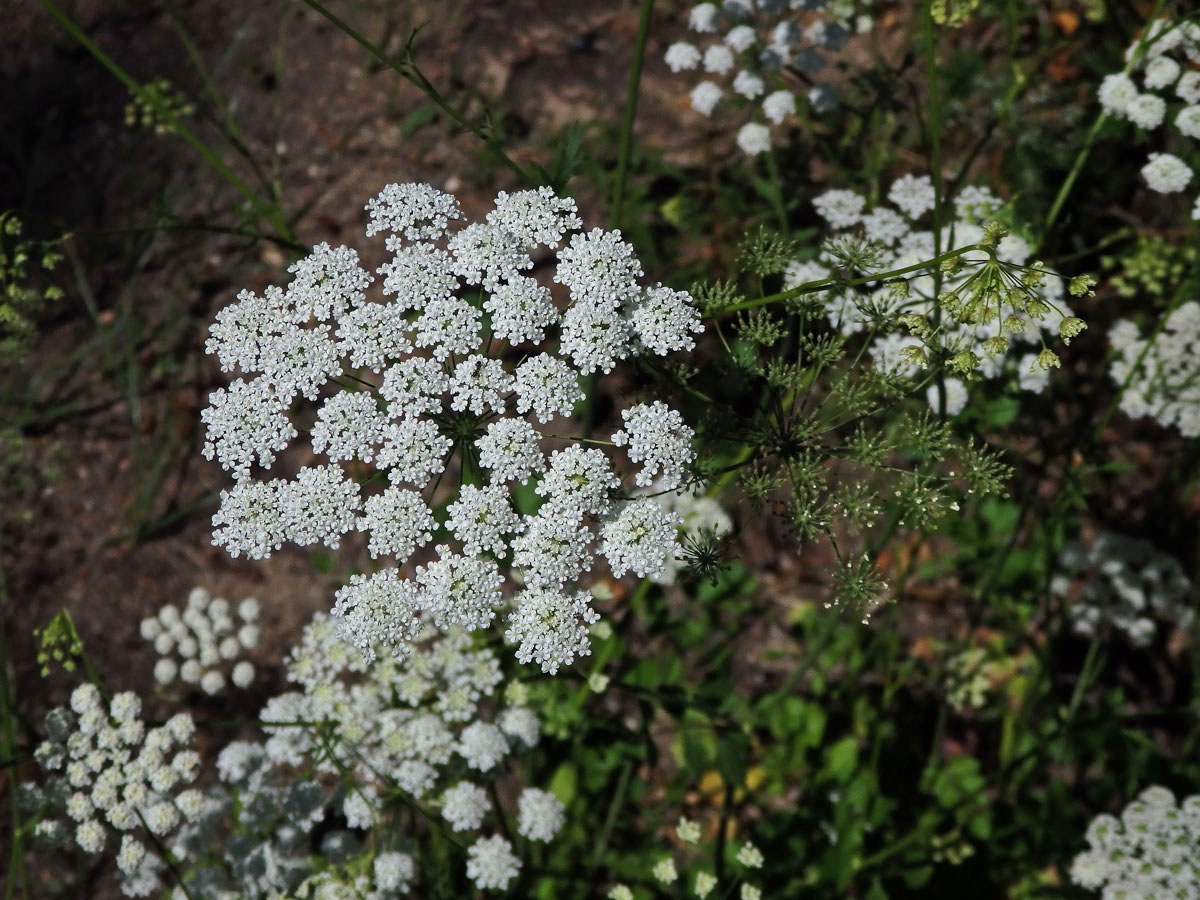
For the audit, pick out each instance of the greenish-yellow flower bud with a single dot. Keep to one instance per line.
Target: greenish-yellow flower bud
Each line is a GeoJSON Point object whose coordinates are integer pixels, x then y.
{"type": "Point", "coordinates": [1069, 327]}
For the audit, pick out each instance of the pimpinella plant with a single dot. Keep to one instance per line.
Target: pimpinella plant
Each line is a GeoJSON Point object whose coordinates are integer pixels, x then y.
{"type": "Point", "coordinates": [963, 314]}
{"type": "Point", "coordinates": [443, 411]}
{"type": "Point", "coordinates": [836, 449]}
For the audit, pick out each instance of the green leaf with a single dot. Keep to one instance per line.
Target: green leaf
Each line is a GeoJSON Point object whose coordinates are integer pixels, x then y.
{"type": "Point", "coordinates": [841, 759]}
{"type": "Point", "coordinates": [418, 119]}
{"type": "Point", "coordinates": [564, 783]}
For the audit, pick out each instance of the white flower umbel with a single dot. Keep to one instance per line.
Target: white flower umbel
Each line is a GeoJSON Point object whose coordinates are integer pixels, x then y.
{"type": "Point", "coordinates": [108, 773]}
{"type": "Point", "coordinates": [465, 805]}
{"type": "Point", "coordinates": [1161, 379]}
{"type": "Point", "coordinates": [1150, 851]}
{"type": "Point", "coordinates": [203, 643]}
{"type": "Point", "coordinates": [1125, 583]}
{"type": "Point", "coordinates": [491, 863]}
{"type": "Point", "coordinates": [898, 239]}
{"type": "Point", "coordinates": [1166, 173]}
{"type": "Point", "coordinates": [540, 815]}
{"type": "Point", "coordinates": [450, 368]}
{"type": "Point", "coordinates": [657, 437]}
{"type": "Point", "coordinates": [1167, 48]}
{"type": "Point", "coordinates": [551, 629]}
{"type": "Point", "coordinates": [751, 47]}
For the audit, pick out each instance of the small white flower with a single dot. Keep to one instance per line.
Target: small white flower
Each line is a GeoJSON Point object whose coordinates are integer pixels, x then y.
{"type": "Point", "coordinates": [778, 105]}
{"type": "Point", "coordinates": [703, 17]}
{"type": "Point", "coordinates": [1188, 121]}
{"type": "Point", "coordinates": [749, 85]}
{"type": "Point", "coordinates": [464, 806]}
{"type": "Point", "coordinates": [1161, 72]}
{"type": "Point", "coordinates": [754, 138]}
{"type": "Point", "coordinates": [550, 628]}
{"type": "Point", "coordinates": [750, 856]}
{"type": "Point", "coordinates": [540, 815]}
{"type": "Point", "coordinates": [681, 56]}
{"type": "Point", "coordinates": [1146, 111]}
{"type": "Point", "coordinates": [705, 96]}
{"type": "Point", "coordinates": [664, 871]}
{"type": "Point", "coordinates": [657, 437]}
{"type": "Point", "coordinates": [1166, 174]}
{"type": "Point", "coordinates": [521, 722]}
{"type": "Point", "coordinates": [491, 863]}
{"type": "Point", "coordinates": [1116, 92]}
{"type": "Point", "coordinates": [841, 209]}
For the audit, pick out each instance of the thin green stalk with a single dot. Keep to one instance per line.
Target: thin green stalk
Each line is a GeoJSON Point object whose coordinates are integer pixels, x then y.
{"type": "Point", "coordinates": [8, 715]}
{"type": "Point", "coordinates": [610, 819]}
{"type": "Point", "coordinates": [271, 213]}
{"type": "Point", "coordinates": [776, 189]}
{"type": "Point", "coordinates": [1081, 157]}
{"type": "Point", "coordinates": [632, 90]}
{"type": "Point", "coordinates": [410, 72]}
{"type": "Point", "coordinates": [229, 126]}
{"type": "Point", "coordinates": [826, 283]}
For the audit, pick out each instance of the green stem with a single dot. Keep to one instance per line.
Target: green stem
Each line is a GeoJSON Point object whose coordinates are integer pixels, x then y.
{"type": "Point", "coordinates": [776, 189]}
{"type": "Point", "coordinates": [8, 713]}
{"type": "Point", "coordinates": [1086, 149]}
{"type": "Point", "coordinates": [826, 283]}
{"type": "Point", "coordinates": [409, 71]}
{"type": "Point", "coordinates": [270, 213]}
{"type": "Point", "coordinates": [632, 90]}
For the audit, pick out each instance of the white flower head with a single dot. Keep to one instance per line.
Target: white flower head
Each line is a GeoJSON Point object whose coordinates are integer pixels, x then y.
{"type": "Point", "coordinates": [1166, 173]}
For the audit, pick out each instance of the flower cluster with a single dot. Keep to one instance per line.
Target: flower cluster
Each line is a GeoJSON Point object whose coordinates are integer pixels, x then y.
{"type": "Point", "coordinates": [1160, 376]}
{"type": "Point", "coordinates": [417, 723]}
{"type": "Point", "coordinates": [986, 304]}
{"type": "Point", "coordinates": [1164, 58]}
{"type": "Point", "coordinates": [447, 372]}
{"type": "Point", "coordinates": [117, 776]}
{"type": "Point", "coordinates": [206, 638]}
{"type": "Point", "coordinates": [765, 50]}
{"type": "Point", "coordinates": [748, 859]}
{"type": "Point", "coordinates": [1150, 851]}
{"type": "Point", "coordinates": [1127, 583]}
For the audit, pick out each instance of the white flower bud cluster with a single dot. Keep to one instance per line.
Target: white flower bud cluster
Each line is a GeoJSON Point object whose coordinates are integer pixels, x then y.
{"type": "Point", "coordinates": [1161, 376]}
{"type": "Point", "coordinates": [897, 235]}
{"type": "Point", "coordinates": [1152, 850]}
{"type": "Point", "coordinates": [1125, 583]}
{"type": "Point", "coordinates": [117, 775]}
{"type": "Point", "coordinates": [423, 718]}
{"type": "Point", "coordinates": [202, 645]}
{"type": "Point", "coordinates": [470, 400]}
{"type": "Point", "coordinates": [1165, 57]}
{"type": "Point", "coordinates": [752, 46]}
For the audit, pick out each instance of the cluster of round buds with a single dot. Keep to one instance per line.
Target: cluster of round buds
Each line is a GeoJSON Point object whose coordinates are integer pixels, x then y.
{"type": "Point", "coordinates": [428, 719]}
{"type": "Point", "coordinates": [1152, 850]}
{"type": "Point", "coordinates": [117, 776]}
{"type": "Point", "coordinates": [765, 51]}
{"type": "Point", "coordinates": [1033, 302]}
{"type": "Point", "coordinates": [1164, 58]}
{"type": "Point", "coordinates": [199, 645]}
{"type": "Point", "coordinates": [460, 365]}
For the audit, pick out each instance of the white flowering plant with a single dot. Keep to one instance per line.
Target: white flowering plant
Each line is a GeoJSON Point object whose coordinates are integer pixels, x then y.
{"type": "Point", "coordinates": [763, 588]}
{"type": "Point", "coordinates": [448, 374]}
